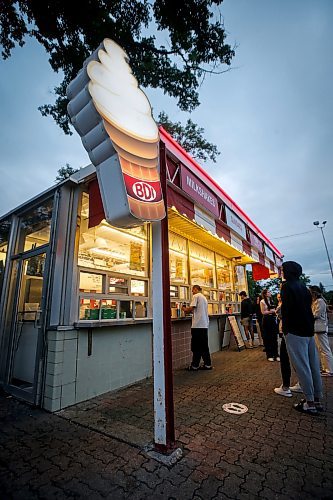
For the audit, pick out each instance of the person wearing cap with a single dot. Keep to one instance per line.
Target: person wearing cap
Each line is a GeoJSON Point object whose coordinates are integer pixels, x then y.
{"type": "Point", "coordinates": [199, 330]}
{"type": "Point", "coordinates": [298, 330]}
{"type": "Point", "coordinates": [246, 318]}
{"type": "Point", "coordinates": [319, 310]}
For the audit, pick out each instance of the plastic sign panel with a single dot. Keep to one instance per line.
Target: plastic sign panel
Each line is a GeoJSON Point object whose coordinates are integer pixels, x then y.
{"type": "Point", "coordinates": [235, 223]}
{"type": "Point", "coordinates": [198, 191]}
{"type": "Point", "coordinates": [114, 119]}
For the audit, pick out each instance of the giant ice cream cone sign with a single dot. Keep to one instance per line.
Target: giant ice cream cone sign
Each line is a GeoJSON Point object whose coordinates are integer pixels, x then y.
{"type": "Point", "coordinates": [114, 119]}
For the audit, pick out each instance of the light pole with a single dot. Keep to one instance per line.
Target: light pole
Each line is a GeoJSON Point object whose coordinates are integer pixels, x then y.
{"type": "Point", "coordinates": [321, 227]}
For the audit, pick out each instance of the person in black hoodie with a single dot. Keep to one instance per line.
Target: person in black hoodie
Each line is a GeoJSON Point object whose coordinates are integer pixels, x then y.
{"type": "Point", "coordinates": [298, 329]}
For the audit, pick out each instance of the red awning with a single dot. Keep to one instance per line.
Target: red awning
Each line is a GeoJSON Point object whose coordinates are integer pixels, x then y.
{"type": "Point", "coordinates": [183, 205]}
{"type": "Point", "coordinates": [222, 231]}
{"type": "Point", "coordinates": [96, 210]}
{"type": "Point", "coordinates": [260, 272]}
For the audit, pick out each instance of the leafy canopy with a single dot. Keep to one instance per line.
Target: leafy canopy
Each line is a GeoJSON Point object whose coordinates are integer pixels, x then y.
{"type": "Point", "coordinates": [69, 31]}
{"type": "Point", "coordinates": [190, 137]}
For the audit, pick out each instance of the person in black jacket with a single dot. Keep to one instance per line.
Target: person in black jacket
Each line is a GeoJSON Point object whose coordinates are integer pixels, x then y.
{"type": "Point", "coordinates": [298, 329]}
{"type": "Point", "coordinates": [246, 318]}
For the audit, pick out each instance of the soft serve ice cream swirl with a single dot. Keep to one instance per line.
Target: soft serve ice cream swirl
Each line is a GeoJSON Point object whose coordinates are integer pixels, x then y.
{"type": "Point", "coordinates": [113, 115]}
{"type": "Point", "coordinates": [116, 94]}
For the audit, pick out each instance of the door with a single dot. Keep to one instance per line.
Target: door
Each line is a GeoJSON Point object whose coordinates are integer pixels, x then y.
{"type": "Point", "coordinates": [26, 325]}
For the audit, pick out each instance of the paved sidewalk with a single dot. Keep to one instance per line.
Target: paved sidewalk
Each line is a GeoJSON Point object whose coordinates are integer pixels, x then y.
{"type": "Point", "coordinates": [97, 449]}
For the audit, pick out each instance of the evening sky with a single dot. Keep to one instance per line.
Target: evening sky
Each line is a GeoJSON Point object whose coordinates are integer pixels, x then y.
{"type": "Point", "coordinates": [271, 117]}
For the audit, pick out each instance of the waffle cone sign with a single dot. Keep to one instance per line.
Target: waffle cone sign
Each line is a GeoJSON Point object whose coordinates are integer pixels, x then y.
{"type": "Point", "coordinates": [114, 119]}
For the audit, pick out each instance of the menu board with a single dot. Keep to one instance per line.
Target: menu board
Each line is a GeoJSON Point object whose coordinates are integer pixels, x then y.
{"type": "Point", "coordinates": [236, 332]}
{"type": "Point", "coordinates": [135, 256]}
{"type": "Point", "coordinates": [90, 282]}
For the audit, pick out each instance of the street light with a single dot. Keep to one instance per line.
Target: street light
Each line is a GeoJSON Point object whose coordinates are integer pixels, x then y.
{"type": "Point", "coordinates": [321, 227]}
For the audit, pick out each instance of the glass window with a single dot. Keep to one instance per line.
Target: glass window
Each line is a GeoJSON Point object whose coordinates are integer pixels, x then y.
{"type": "Point", "coordinates": [90, 282]}
{"type": "Point", "coordinates": [35, 227]}
{"type": "Point", "coordinates": [140, 309]}
{"type": "Point", "coordinates": [105, 247]}
{"type": "Point", "coordinates": [183, 293]}
{"type": "Point", "coordinates": [139, 287]}
{"type": "Point", "coordinates": [4, 237]}
{"type": "Point", "coordinates": [118, 285]}
{"type": "Point", "coordinates": [178, 258]}
{"type": "Point", "coordinates": [224, 275]}
{"type": "Point", "coordinates": [125, 309]}
{"type": "Point", "coordinates": [202, 266]}
{"type": "Point", "coordinates": [108, 309]}
{"type": "Point", "coordinates": [240, 278]}
{"type": "Point", "coordinates": [89, 309]}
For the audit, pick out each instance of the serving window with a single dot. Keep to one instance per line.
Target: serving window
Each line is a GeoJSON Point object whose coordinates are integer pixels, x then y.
{"type": "Point", "coordinates": [192, 264]}
{"type": "Point", "coordinates": [113, 271]}
{"type": "Point", "coordinates": [108, 248]}
{"type": "Point", "coordinates": [202, 266]}
{"type": "Point", "coordinates": [178, 259]}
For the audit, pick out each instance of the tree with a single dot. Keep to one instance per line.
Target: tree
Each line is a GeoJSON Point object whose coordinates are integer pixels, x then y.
{"type": "Point", "coordinates": [193, 31]}
{"type": "Point", "coordinates": [306, 279]}
{"type": "Point", "coordinates": [256, 287]}
{"type": "Point", "coordinates": [189, 137]}
{"type": "Point", "coordinates": [65, 172]}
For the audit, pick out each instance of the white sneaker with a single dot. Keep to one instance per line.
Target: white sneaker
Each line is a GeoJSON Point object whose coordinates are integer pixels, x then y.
{"type": "Point", "coordinates": [296, 388]}
{"type": "Point", "coordinates": [282, 392]}
{"type": "Point", "coordinates": [270, 359]}
{"type": "Point", "coordinates": [277, 358]}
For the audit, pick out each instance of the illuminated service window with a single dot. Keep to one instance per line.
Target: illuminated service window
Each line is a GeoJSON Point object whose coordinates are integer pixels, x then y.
{"type": "Point", "coordinates": [202, 265]}
{"type": "Point", "coordinates": [178, 259]}
{"type": "Point", "coordinates": [35, 227]}
{"type": "Point", "coordinates": [105, 247]}
{"type": "Point", "coordinates": [224, 274]}
{"type": "Point", "coordinates": [4, 237]}
{"type": "Point", "coordinates": [113, 271]}
{"type": "Point", "coordinates": [240, 278]}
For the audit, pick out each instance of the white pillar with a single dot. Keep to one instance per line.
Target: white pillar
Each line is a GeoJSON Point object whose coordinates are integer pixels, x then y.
{"type": "Point", "coordinates": [158, 337]}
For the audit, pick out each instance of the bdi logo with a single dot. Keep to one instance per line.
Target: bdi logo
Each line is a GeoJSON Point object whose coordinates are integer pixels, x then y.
{"type": "Point", "coordinates": [144, 191]}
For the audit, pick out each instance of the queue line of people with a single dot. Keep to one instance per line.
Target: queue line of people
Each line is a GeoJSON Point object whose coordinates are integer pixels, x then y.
{"type": "Point", "coordinates": [300, 319]}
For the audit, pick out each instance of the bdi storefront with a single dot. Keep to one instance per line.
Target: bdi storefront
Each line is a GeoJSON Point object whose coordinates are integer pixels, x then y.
{"type": "Point", "coordinates": [79, 264]}
{"type": "Point", "coordinates": [76, 292]}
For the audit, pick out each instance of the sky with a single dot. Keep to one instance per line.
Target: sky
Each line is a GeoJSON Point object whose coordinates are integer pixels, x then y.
{"type": "Point", "coordinates": [270, 116]}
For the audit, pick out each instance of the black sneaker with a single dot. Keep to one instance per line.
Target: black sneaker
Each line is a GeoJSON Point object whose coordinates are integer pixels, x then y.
{"type": "Point", "coordinates": [206, 367]}
{"type": "Point", "coordinates": [192, 368]}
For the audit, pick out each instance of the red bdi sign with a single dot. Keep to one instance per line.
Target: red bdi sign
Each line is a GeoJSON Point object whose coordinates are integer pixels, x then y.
{"type": "Point", "coordinates": [143, 191]}
{"type": "Point", "coordinates": [113, 117]}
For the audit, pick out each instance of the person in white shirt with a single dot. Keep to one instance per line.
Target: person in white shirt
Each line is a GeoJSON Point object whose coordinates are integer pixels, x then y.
{"type": "Point", "coordinates": [199, 330]}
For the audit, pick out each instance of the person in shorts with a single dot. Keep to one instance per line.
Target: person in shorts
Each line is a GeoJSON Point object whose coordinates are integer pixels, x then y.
{"type": "Point", "coordinates": [246, 319]}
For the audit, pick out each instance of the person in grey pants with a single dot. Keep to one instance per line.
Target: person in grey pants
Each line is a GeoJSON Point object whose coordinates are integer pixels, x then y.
{"type": "Point", "coordinates": [298, 330]}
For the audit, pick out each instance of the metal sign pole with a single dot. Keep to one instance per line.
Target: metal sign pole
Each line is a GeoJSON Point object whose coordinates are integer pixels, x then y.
{"type": "Point", "coordinates": [164, 436]}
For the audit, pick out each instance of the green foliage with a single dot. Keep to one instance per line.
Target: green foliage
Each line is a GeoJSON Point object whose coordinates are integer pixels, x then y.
{"type": "Point", "coordinates": [306, 279]}
{"type": "Point", "coordinates": [190, 137]}
{"type": "Point", "coordinates": [193, 33]}
{"type": "Point", "coordinates": [256, 287]}
{"type": "Point", "coordinates": [65, 172]}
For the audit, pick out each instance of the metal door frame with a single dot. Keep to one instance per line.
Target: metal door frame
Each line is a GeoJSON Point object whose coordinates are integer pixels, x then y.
{"type": "Point", "coordinates": [34, 396]}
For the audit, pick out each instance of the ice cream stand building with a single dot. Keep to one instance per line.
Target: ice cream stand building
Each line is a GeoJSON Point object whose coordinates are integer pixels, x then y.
{"type": "Point", "coordinates": [76, 282]}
